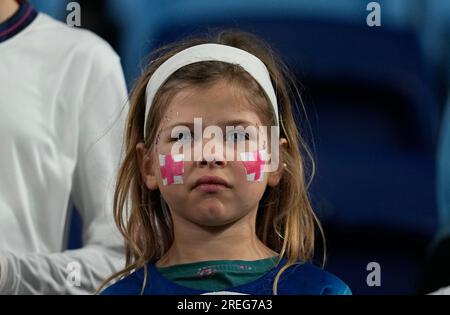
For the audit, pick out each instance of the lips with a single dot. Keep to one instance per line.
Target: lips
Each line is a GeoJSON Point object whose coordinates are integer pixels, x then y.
{"type": "Point", "coordinates": [211, 184]}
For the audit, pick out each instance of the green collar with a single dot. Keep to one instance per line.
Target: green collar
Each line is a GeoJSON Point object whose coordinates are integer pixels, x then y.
{"type": "Point", "coordinates": [213, 275]}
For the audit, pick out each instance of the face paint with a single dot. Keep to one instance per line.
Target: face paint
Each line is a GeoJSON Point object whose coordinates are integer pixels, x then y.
{"type": "Point", "coordinates": [172, 168]}
{"type": "Point", "coordinates": [254, 165]}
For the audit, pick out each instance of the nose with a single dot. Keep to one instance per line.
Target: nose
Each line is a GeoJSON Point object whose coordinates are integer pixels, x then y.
{"type": "Point", "coordinates": [213, 156]}
{"type": "Point", "coordinates": [213, 163]}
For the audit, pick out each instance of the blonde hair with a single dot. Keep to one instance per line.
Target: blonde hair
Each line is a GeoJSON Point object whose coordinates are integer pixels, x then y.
{"type": "Point", "coordinates": [285, 221]}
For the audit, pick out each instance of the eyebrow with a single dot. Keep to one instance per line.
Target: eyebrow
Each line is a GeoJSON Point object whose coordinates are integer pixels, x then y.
{"type": "Point", "coordinates": [236, 122]}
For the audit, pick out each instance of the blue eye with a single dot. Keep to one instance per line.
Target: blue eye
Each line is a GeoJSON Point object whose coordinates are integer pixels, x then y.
{"type": "Point", "coordinates": [237, 136]}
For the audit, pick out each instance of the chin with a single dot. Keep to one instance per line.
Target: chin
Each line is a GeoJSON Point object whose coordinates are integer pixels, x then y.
{"type": "Point", "coordinates": [214, 215]}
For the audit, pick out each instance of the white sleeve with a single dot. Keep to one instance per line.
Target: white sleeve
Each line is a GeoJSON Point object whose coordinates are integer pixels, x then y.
{"type": "Point", "coordinates": [441, 291]}
{"type": "Point", "coordinates": [101, 120]}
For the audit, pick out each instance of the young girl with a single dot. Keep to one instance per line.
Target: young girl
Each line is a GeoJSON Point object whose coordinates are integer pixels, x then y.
{"type": "Point", "coordinates": [216, 222]}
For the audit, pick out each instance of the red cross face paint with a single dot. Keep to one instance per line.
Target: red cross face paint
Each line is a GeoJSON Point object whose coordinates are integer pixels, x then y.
{"type": "Point", "coordinates": [172, 168]}
{"type": "Point", "coordinates": [254, 163]}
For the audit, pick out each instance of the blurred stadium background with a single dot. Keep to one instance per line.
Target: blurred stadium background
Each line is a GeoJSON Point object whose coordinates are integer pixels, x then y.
{"type": "Point", "coordinates": [376, 101]}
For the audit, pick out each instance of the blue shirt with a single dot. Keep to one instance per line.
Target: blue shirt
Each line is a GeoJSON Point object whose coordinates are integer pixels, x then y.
{"type": "Point", "coordinates": [299, 279]}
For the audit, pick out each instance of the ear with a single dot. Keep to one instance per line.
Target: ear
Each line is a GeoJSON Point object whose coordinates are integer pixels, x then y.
{"type": "Point", "coordinates": [146, 167]}
{"type": "Point", "coordinates": [275, 176]}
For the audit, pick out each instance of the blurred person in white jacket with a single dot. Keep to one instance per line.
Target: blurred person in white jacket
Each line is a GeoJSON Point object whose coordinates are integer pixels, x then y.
{"type": "Point", "coordinates": [442, 291]}
{"type": "Point", "coordinates": [62, 104]}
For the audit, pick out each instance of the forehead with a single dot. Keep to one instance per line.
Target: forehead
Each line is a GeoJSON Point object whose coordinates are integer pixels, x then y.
{"type": "Point", "coordinates": [213, 103]}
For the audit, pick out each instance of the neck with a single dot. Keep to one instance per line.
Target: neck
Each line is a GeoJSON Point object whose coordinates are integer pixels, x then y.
{"type": "Point", "coordinates": [7, 9]}
{"type": "Point", "coordinates": [235, 241]}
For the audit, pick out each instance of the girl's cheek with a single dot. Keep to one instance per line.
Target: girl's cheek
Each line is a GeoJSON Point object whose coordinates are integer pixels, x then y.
{"type": "Point", "coordinates": [171, 168]}
{"type": "Point", "coordinates": [254, 163]}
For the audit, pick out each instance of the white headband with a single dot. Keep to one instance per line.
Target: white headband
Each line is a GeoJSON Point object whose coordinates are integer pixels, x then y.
{"type": "Point", "coordinates": [211, 52]}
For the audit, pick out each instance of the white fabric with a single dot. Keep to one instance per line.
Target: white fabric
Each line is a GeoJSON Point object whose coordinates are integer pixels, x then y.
{"type": "Point", "coordinates": [211, 52]}
{"type": "Point", "coordinates": [441, 291]}
{"type": "Point", "coordinates": [61, 95]}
